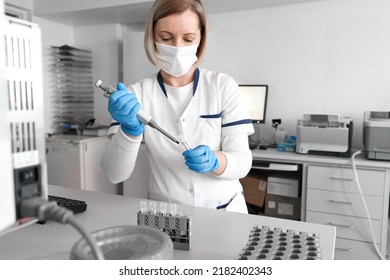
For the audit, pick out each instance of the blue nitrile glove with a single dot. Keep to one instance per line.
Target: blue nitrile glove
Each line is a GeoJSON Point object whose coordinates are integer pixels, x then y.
{"type": "Point", "coordinates": [201, 159]}
{"type": "Point", "coordinates": [124, 107]}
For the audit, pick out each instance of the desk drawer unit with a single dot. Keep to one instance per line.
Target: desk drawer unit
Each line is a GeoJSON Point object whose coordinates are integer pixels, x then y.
{"type": "Point", "coordinates": [346, 226]}
{"type": "Point", "coordinates": [343, 203]}
{"type": "Point", "coordinates": [333, 198]}
{"type": "Point", "coordinates": [343, 179]}
{"type": "Point", "coordinates": [346, 249]}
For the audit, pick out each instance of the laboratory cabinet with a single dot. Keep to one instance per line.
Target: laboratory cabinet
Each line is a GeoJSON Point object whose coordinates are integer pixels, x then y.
{"type": "Point", "coordinates": [74, 161]}
{"type": "Point", "coordinates": [333, 198]}
{"type": "Point", "coordinates": [330, 196]}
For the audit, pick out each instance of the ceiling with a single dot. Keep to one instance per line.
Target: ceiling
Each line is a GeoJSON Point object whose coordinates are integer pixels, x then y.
{"type": "Point", "coordinates": [137, 12]}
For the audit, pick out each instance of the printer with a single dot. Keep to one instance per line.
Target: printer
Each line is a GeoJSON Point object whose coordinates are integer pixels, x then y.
{"type": "Point", "coordinates": [324, 134]}
{"type": "Point", "coordinates": [376, 135]}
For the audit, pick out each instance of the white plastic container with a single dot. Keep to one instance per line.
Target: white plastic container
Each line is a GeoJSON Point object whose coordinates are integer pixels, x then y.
{"type": "Point", "coordinates": [126, 243]}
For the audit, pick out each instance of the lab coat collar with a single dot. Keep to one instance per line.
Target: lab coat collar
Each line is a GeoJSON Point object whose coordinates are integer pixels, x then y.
{"type": "Point", "coordinates": [161, 82]}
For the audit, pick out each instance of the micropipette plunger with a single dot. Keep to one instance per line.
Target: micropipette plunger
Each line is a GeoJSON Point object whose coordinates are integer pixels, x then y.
{"type": "Point", "coordinates": [142, 116]}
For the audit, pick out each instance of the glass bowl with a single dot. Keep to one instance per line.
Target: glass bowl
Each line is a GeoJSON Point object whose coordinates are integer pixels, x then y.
{"type": "Point", "coordinates": [127, 242]}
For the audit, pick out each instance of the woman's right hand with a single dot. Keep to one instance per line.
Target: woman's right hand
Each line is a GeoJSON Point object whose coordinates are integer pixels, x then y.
{"type": "Point", "coordinates": [124, 107]}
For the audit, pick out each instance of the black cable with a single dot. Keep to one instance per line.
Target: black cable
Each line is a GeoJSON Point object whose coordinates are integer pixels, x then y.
{"type": "Point", "coordinates": [49, 210]}
{"type": "Point", "coordinates": [95, 249]}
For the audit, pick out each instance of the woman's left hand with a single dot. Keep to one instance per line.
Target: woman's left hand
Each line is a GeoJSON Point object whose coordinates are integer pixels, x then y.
{"type": "Point", "coordinates": [201, 159]}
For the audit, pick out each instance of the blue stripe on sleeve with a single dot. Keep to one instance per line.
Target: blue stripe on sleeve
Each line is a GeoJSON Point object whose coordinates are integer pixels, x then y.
{"type": "Point", "coordinates": [215, 116]}
{"type": "Point", "coordinates": [245, 121]}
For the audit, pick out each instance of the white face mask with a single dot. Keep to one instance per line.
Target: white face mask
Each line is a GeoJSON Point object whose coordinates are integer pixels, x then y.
{"type": "Point", "coordinates": [176, 61]}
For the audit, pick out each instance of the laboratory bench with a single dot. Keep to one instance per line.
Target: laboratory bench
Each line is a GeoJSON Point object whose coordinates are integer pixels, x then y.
{"type": "Point", "coordinates": [329, 195]}
{"type": "Point", "coordinates": [326, 187]}
{"type": "Point", "coordinates": [215, 234]}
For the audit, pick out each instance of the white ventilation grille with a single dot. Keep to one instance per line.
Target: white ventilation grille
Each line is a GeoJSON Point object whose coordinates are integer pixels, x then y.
{"type": "Point", "coordinates": [20, 95]}
{"type": "Point", "coordinates": [22, 137]}
{"type": "Point", "coordinates": [18, 52]}
{"type": "Point", "coordinates": [23, 73]}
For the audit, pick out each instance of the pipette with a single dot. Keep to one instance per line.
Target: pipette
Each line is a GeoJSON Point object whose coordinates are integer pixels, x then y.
{"type": "Point", "coordinates": [180, 135]}
{"type": "Point", "coordinates": [142, 116]}
{"type": "Point", "coordinates": [183, 141]}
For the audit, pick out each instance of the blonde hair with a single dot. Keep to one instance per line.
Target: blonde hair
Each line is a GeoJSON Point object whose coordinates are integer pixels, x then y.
{"type": "Point", "coordinates": [164, 8]}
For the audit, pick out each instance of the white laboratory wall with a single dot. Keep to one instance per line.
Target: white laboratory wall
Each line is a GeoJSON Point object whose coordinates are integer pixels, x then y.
{"type": "Point", "coordinates": [103, 40]}
{"type": "Point", "coordinates": [135, 62]}
{"type": "Point", "coordinates": [58, 6]}
{"type": "Point", "coordinates": [328, 56]}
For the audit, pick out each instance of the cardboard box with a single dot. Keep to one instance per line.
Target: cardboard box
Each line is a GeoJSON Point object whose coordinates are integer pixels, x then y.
{"type": "Point", "coordinates": [255, 188]}
{"type": "Point", "coordinates": [286, 186]}
{"type": "Point", "coordinates": [283, 207]}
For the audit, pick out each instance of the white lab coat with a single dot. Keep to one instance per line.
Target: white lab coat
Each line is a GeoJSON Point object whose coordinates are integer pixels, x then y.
{"type": "Point", "coordinates": [217, 110]}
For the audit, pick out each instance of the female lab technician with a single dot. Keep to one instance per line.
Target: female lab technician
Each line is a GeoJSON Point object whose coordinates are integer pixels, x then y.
{"type": "Point", "coordinates": [203, 106]}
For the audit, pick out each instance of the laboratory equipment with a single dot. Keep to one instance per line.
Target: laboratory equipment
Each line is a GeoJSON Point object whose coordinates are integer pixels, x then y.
{"type": "Point", "coordinates": [23, 171]}
{"type": "Point", "coordinates": [376, 135]}
{"type": "Point", "coordinates": [268, 243]}
{"type": "Point", "coordinates": [22, 140]}
{"type": "Point", "coordinates": [75, 205]}
{"type": "Point", "coordinates": [142, 116]}
{"type": "Point", "coordinates": [183, 141]}
{"type": "Point", "coordinates": [324, 134]}
{"type": "Point", "coordinates": [176, 225]}
{"type": "Point", "coordinates": [72, 99]}
{"type": "Point", "coordinates": [279, 134]}
{"type": "Point", "coordinates": [126, 242]}
{"type": "Point", "coordinates": [181, 137]}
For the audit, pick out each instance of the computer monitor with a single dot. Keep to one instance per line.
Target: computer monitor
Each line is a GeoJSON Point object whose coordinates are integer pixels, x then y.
{"type": "Point", "coordinates": [256, 99]}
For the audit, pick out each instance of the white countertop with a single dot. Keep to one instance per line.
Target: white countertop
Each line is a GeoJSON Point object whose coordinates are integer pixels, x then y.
{"type": "Point", "coordinates": [215, 234]}
{"type": "Point", "coordinates": [275, 155]}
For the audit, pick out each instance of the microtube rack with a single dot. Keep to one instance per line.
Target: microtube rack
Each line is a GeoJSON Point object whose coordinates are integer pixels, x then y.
{"type": "Point", "coordinates": [266, 243]}
{"type": "Point", "coordinates": [173, 223]}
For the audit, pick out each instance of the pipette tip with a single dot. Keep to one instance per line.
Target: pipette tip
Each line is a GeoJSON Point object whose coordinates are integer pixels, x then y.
{"type": "Point", "coordinates": [183, 141]}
